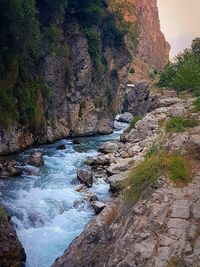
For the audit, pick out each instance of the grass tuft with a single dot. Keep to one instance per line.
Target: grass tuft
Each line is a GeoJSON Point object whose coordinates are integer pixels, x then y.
{"type": "Point", "coordinates": [175, 167]}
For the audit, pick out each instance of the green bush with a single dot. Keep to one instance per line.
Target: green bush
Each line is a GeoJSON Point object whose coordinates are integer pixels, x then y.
{"type": "Point", "coordinates": [179, 124]}
{"type": "Point", "coordinates": [183, 74]}
{"type": "Point", "coordinates": [175, 167]}
{"type": "Point", "coordinates": [197, 105]}
{"type": "Point", "coordinates": [134, 120]}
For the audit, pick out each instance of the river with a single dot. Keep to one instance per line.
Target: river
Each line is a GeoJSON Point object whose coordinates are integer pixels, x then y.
{"type": "Point", "coordinates": [45, 209]}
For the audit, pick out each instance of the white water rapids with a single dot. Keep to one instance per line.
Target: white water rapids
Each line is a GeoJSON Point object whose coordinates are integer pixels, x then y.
{"type": "Point", "coordinates": [46, 210]}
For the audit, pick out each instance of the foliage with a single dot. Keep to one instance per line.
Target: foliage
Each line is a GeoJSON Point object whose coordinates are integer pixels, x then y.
{"type": "Point", "coordinates": [145, 175]}
{"type": "Point", "coordinates": [179, 124]}
{"type": "Point", "coordinates": [134, 120]}
{"type": "Point", "coordinates": [3, 215]}
{"type": "Point", "coordinates": [55, 43]}
{"type": "Point", "coordinates": [197, 105]}
{"type": "Point", "coordinates": [123, 10]}
{"type": "Point", "coordinates": [89, 12]}
{"type": "Point", "coordinates": [52, 10]}
{"type": "Point", "coordinates": [184, 72]}
{"type": "Point", "coordinates": [108, 95]}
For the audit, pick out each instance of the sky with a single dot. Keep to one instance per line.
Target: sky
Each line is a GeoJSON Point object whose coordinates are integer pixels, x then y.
{"type": "Point", "coordinates": [180, 22]}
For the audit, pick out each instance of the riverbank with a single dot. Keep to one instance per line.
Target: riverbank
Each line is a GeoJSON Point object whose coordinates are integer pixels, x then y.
{"type": "Point", "coordinates": [160, 227]}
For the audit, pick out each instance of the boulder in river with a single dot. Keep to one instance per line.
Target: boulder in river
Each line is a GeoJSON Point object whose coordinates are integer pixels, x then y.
{"type": "Point", "coordinates": [125, 117]}
{"type": "Point", "coordinates": [10, 169]}
{"type": "Point", "coordinates": [12, 253]}
{"type": "Point", "coordinates": [61, 147]}
{"type": "Point", "coordinates": [36, 159]}
{"type": "Point", "coordinates": [85, 177]}
{"type": "Point", "coordinates": [98, 206]}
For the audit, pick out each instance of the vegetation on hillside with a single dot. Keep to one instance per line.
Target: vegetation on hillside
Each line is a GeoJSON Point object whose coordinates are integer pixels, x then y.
{"type": "Point", "coordinates": [156, 164]}
{"type": "Point", "coordinates": [32, 29]}
{"type": "Point", "coordinates": [184, 72]}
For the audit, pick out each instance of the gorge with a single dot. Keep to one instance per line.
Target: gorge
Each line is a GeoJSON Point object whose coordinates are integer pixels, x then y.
{"type": "Point", "coordinates": [69, 80]}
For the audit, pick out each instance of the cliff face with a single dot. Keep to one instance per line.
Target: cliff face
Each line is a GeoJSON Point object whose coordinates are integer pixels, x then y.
{"type": "Point", "coordinates": [153, 48]}
{"type": "Point", "coordinates": [84, 95]}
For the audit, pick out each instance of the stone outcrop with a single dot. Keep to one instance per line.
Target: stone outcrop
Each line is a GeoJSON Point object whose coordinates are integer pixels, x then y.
{"type": "Point", "coordinates": [162, 228]}
{"type": "Point", "coordinates": [11, 252]}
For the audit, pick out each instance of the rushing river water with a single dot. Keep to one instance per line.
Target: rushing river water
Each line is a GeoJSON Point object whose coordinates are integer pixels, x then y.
{"type": "Point", "coordinates": [46, 210]}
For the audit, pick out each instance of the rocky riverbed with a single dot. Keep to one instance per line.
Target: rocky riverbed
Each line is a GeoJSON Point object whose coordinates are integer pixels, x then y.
{"type": "Point", "coordinates": [162, 228]}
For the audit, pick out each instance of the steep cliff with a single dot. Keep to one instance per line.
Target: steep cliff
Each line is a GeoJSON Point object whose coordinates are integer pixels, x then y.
{"type": "Point", "coordinates": [76, 83]}
{"type": "Point", "coordinates": [153, 48]}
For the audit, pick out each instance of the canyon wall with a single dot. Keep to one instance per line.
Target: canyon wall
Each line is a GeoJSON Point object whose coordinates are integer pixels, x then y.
{"type": "Point", "coordinates": [83, 94]}
{"type": "Point", "coordinates": [153, 48]}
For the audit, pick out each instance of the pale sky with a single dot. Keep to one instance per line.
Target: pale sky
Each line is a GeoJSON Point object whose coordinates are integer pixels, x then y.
{"type": "Point", "coordinates": [180, 22]}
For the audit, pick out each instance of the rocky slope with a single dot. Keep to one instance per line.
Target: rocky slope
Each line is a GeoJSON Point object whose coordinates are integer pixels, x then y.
{"type": "Point", "coordinates": [162, 228]}
{"type": "Point", "coordinates": [82, 99]}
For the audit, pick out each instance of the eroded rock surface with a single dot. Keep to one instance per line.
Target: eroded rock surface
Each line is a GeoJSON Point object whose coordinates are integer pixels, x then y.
{"type": "Point", "coordinates": [162, 228]}
{"type": "Point", "coordinates": [11, 252]}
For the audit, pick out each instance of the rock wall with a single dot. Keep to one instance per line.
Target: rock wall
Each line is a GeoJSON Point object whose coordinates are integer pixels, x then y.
{"type": "Point", "coordinates": [153, 48]}
{"type": "Point", "coordinates": [84, 100]}
{"type": "Point", "coordinates": [11, 252]}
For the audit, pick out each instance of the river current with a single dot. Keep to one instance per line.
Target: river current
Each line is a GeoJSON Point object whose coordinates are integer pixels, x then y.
{"type": "Point", "coordinates": [45, 209]}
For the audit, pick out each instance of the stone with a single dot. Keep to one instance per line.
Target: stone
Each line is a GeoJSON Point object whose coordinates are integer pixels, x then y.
{"type": "Point", "coordinates": [121, 165]}
{"type": "Point", "coordinates": [76, 142]}
{"type": "Point", "coordinates": [11, 169]}
{"type": "Point", "coordinates": [124, 154]}
{"type": "Point", "coordinates": [125, 117]}
{"type": "Point", "coordinates": [117, 182]}
{"type": "Point", "coordinates": [108, 148]}
{"type": "Point", "coordinates": [181, 209]}
{"type": "Point", "coordinates": [61, 147]}
{"type": "Point", "coordinates": [85, 177]}
{"type": "Point", "coordinates": [97, 206]}
{"type": "Point", "coordinates": [36, 159]}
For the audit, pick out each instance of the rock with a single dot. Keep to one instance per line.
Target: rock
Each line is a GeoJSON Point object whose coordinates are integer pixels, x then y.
{"type": "Point", "coordinates": [124, 154]}
{"type": "Point", "coordinates": [85, 177]}
{"type": "Point", "coordinates": [108, 148]}
{"type": "Point", "coordinates": [11, 169]}
{"type": "Point", "coordinates": [61, 147]}
{"type": "Point", "coordinates": [76, 142]}
{"type": "Point", "coordinates": [93, 198]}
{"type": "Point", "coordinates": [136, 100]}
{"type": "Point", "coordinates": [80, 188]}
{"type": "Point", "coordinates": [117, 181]}
{"type": "Point", "coordinates": [36, 159]}
{"type": "Point", "coordinates": [121, 165]}
{"type": "Point", "coordinates": [12, 253]}
{"type": "Point", "coordinates": [125, 117]}
{"type": "Point", "coordinates": [97, 206]}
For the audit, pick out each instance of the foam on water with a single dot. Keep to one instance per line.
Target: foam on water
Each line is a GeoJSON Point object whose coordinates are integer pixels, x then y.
{"type": "Point", "coordinates": [46, 210]}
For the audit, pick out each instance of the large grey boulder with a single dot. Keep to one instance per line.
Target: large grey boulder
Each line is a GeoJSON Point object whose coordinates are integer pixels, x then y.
{"type": "Point", "coordinates": [125, 117]}
{"type": "Point", "coordinates": [117, 181]}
